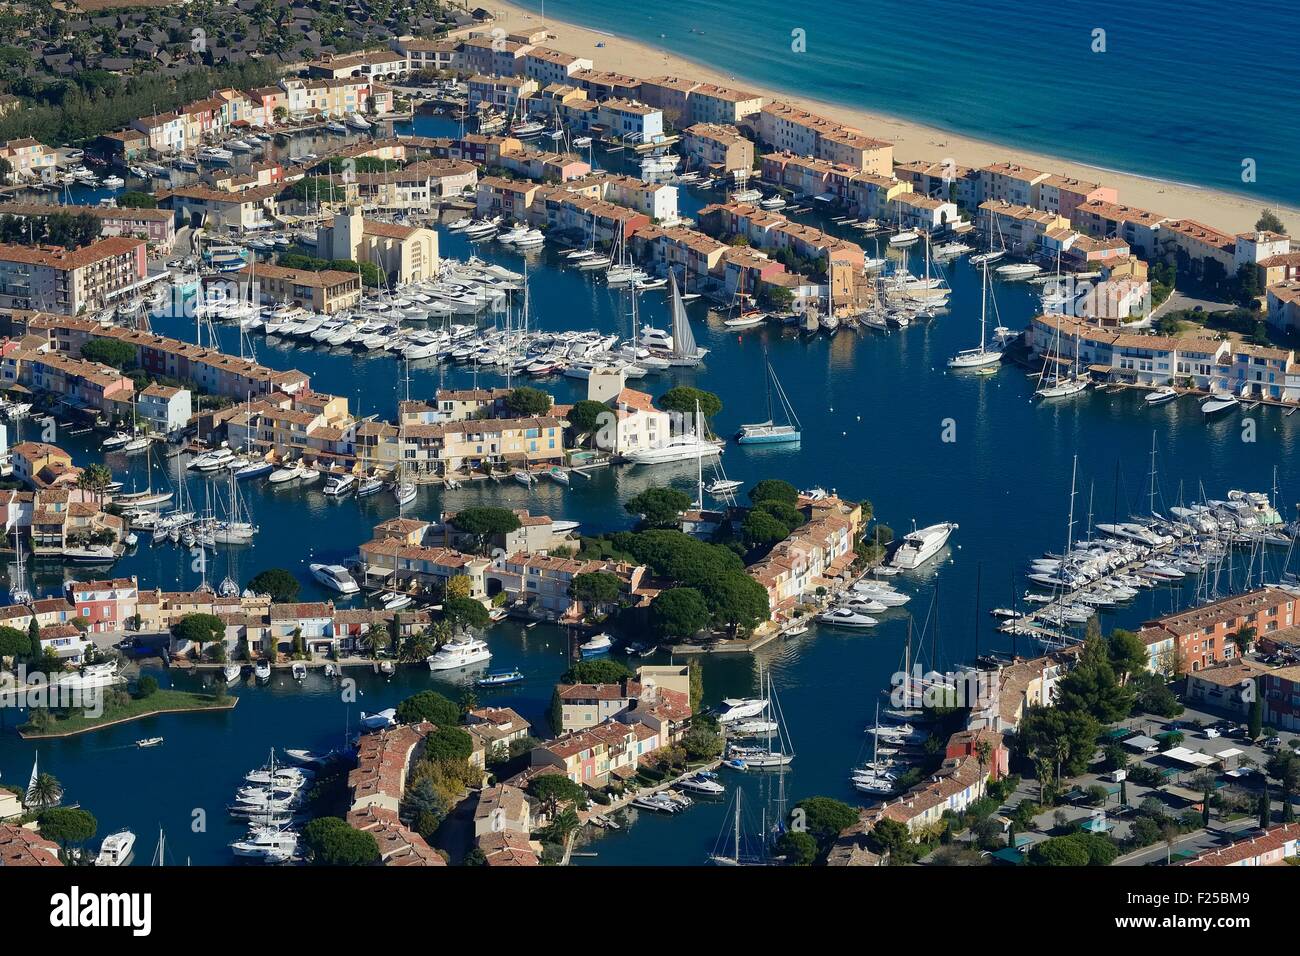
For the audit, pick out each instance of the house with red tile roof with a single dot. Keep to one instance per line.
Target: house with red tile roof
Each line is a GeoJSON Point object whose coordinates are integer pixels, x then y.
{"type": "Point", "coordinates": [1274, 846]}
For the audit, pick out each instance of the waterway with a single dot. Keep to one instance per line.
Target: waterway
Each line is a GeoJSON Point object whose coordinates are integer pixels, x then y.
{"type": "Point", "coordinates": [874, 409]}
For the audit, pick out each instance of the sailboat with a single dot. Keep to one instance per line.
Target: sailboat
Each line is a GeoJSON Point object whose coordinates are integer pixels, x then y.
{"type": "Point", "coordinates": [1060, 387]}
{"type": "Point", "coordinates": [743, 316]}
{"type": "Point", "coordinates": [769, 432]}
{"type": "Point", "coordinates": [237, 528]}
{"type": "Point", "coordinates": [403, 490]}
{"type": "Point", "coordinates": [994, 253]}
{"type": "Point", "coordinates": [775, 751]}
{"type": "Point", "coordinates": [680, 348]}
{"type": "Point", "coordinates": [18, 594]}
{"type": "Point", "coordinates": [740, 853]}
{"type": "Point", "coordinates": [981, 355]}
{"type": "Point", "coordinates": [147, 498]}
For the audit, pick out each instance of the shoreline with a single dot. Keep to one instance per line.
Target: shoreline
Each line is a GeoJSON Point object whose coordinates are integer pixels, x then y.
{"type": "Point", "coordinates": [128, 719]}
{"type": "Point", "coordinates": [1228, 211]}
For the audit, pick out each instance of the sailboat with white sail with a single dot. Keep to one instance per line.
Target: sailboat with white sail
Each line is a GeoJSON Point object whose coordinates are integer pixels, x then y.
{"type": "Point", "coordinates": [679, 347]}
{"type": "Point", "coordinates": [981, 356]}
{"type": "Point", "coordinates": [769, 432]}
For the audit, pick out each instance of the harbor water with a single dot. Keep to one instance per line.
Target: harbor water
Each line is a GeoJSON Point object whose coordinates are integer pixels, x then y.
{"type": "Point", "coordinates": [883, 420]}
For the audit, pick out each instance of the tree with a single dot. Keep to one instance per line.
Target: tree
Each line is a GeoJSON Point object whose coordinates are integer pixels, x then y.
{"type": "Point", "coordinates": [460, 586]}
{"type": "Point", "coordinates": [431, 706]}
{"type": "Point", "coordinates": [892, 838]}
{"type": "Point", "coordinates": [1128, 655]}
{"type": "Point", "coordinates": [484, 523]}
{"type": "Point", "coordinates": [1255, 720]}
{"type": "Point", "coordinates": [1268, 221]}
{"type": "Point", "coordinates": [1066, 739]}
{"type": "Point", "coordinates": [1243, 637]}
{"type": "Point", "coordinates": [678, 613]}
{"type": "Point", "coordinates": [133, 199]}
{"type": "Point", "coordinates": [376, 639]}
{"type": "Point", "coordinates": [67, 826]}
{"type": "Point", "coordinates": [683, 398]}
{"type": "Point", "coordinates": [95, 478]}
{"type": "Point", "coordinates": [595, 588]}
{"type": "Point", "coordinates": [329, 841]}
{"type": "Point", "coordinates": [587, 416]}
{"type": "Point", "coordinates": [112, 352]}
{"type": "Point", "coordinates": [14, 643]}
{"type": "Point", "coordinates": [596, 672]}
{"type": "Point", "coordinates": [738, 601]}
{"type": "Point", "coordinates": [45, 792]}
{"type": "Point", "coordinates": [465, 612]}
{"type": "Point", "coordinates": [1091, 687]}
{"type": "Point", "coordinates": [279, 584]}
{"type": "Point", "coordinates": [199, 629]}
{"type": "Point", "coordinates": [1284, 767]}
{"type": "Point", "coordinates": [450, 745]}
{"type": "Point", "coordinates": [798, 848]}
{"type": "Point", "coordinates": [146, 687]}
{"type": "Point", "coordinates": [660, 507]}
{"type": "Point", "coordinates": [553, 790]}
{"type": "Point", "coordinates": [760, 529]}
{"type": "Point", "coordinates": [774, 489]}
{"type": "Point", "coordinates": [528, 402]}
{"type": "Point", "coordinates": [825, 818]}
{"type": "Point", "coordinates": [703, 740]}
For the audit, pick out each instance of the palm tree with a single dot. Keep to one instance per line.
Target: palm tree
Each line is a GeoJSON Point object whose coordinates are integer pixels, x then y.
{"type": "Point", "coordinates": [1243, 637]}
{"type": "Point", "coordinates": [45, 792]}
{"type": "Point", "coordinates": [95, 478]}
{"type": "Point", "coordinates": [375, 639]}
{"type": "Point", "coordinates": [983, 753]}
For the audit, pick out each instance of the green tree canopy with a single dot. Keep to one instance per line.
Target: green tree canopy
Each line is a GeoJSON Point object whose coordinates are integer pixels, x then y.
{"type": "Point", "coordinates": [1128, 655]}
{"type": "Point", "coordinates": [659, 507]}
{"type": "Point", "coordinates": [280, 584]}
{"type": "Point", "coordinates": [682, 399]}
{"type": "Point", "coordinates": [111, 352]}
{"type": "Point", "coordinates": [133, 199]}
{"type": "Point", "coordinates": [760, 529]}
{"type": "Point", "coordinates": [465, 612]}
{"type": "Point", "coordinates": [554, 790]}
{"type": "Point", "coordinates": [199, 629]}
{"type": "Point", "coordinates": [528, 402]}
{"type": "Point", "coordinates": [14, 643]}
{"type": "Point", "coordinates": [678, 612]}
{"type": "Point", "coordinates": [484, 523]}
{"type": "Point", "coordinates": [596, 587]}
{"type": "Point", "coordinates": [587, 416]}
{"type": "Point", "coordinates": [1092, 687]}
{"type": "Point", "coordinates": [329, 841]}
{"type": "Point", "coordinates": [774, 489]}
{"type": "Point", "coordinates": [431, 706]}
{"type": "Point", "coordinates": [596, 672]}
{"type": "Point", "coordinates": [449, 745]}
{"type": "Point", "coordinates": [798, 848]}
{"type": "Point", "coordinates": [67, 826]}
{"type": "Point", "coordinates": [825, 818]}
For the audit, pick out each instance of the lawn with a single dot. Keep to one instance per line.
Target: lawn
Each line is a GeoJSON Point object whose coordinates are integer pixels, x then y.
{"type": "Point", "coordinates": [160, 702]}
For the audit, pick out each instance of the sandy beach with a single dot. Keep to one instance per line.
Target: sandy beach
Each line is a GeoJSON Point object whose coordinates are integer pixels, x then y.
{"type": "Point", "coordinates": [1227, 211]}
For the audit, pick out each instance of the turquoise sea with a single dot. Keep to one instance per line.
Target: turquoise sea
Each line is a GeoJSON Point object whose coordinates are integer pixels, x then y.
{"type": "Point", "coordinates": [1185, 90]}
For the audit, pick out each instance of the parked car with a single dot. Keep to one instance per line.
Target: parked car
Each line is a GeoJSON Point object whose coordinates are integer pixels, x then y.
{"type": "Point", "coordinates": [1212, 732]}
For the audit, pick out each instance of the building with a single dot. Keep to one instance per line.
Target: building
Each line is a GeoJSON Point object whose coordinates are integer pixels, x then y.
{"type": "Point", "coordinates": [404, 254]}
{"type": "Point", "coordinates": [1226, 688]}
{"type": "Point", "coordinates": [103, 606]}
{"type": "Point", "coordinates": [329, 290]}
{"type": "Point", "coordinates": [630, 120]}
{"type": "Point", "coordinates": [69, 282]}
{"type": "Point", "coordinates": [503, 808]}
{"type": "Point", "coordinates": [814, 555]}
{"type": "Point", "coordinates": [28, 158]}
{"type": "Point", "coordinates": [1273, 846]}
{"type": "Point", "coordinates": [166, 408]}
{"type": "Point", "coordinates": [548, 66]}
{"type": "Point", "coordinates": [155, 226]}
{"type": "Point", "coordinates": [788, 128]}
{"type": "Point", "coordinates": [1202, 636]}
{"type": "Point", "coordinates": [21, 846]}
{"type": "Point", "coordinates": [717, 148]}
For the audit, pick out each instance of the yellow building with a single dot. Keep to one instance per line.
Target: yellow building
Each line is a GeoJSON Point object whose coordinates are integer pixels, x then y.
{"type": "Point", "coordinates": [404, 253]}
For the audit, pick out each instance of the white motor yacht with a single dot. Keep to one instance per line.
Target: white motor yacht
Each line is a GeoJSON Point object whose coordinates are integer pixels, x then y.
{"type": "Point", "coordinates": [116, 849]}
{"type": "Point", "coordinates": [921, 545]}
{"type": "Point", "coordinates": [335, 577]}
{"type": "Point", "coordinates": [455, 654]}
